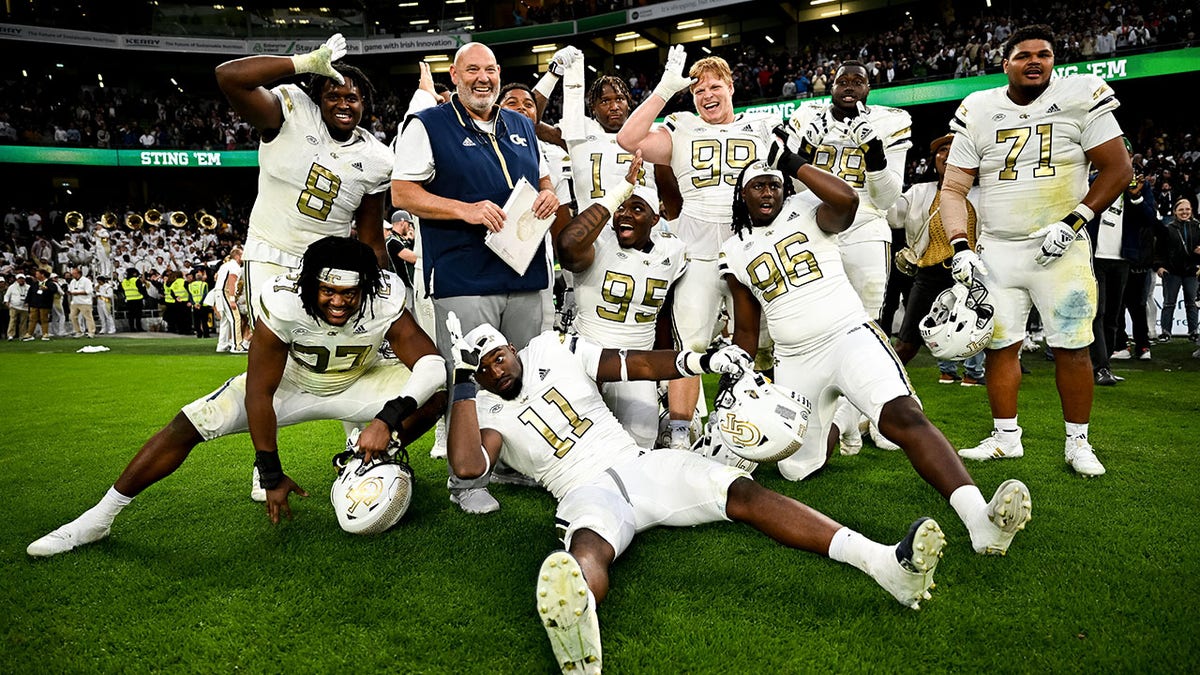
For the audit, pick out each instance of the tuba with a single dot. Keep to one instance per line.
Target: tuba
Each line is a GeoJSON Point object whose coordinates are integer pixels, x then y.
{"type": "Point", "coordinates": [133, 221]}
{"type": "Point", "coordinates": [153, 217]}
{"type": "Point", "coordinates": [109, 219]}
{"type": "Point", "coordinates": [208, 222]}
{"type": "Point", "coordinates": [74, 220]}
{"type": "Point", "coordinates": [178, 219]}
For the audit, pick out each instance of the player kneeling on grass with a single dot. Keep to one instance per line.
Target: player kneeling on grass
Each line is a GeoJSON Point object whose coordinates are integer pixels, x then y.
{"type": "Point", "coordinates": [314, 356]}
{"type": "Point", "coordinates": [783, 261]}
{"type": "Point", "coordinates": [541, 412]}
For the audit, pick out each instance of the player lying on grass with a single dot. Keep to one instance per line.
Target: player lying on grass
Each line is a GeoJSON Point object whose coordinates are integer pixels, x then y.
{"type": "Point", "coordinates": [314, 356]}
{"type": "Point", "coordinates": [541, 412]}
{"type": "Point", "coordinates": [783, 262]}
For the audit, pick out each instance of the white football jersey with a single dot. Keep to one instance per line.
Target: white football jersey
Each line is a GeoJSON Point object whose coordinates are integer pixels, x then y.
{"type": "Point", "coordinates": [229, 267]}
{"type": "Point", "coordinates": [707, 159]}
{"type": "Point", "coordinates": [618, 297]}
{"type": "Point", "coordinates": [310, 185]}
{"type": "Point", "coordinates": [794, 269]}
{"type": "Point", "coordinates": [1031, 163]}
{"type": "Point", "coordinates": [558, 430]}
{"type": "Point", "coordinates": [838, 155]}
{"type": "Point", "coordinates": [324, 359]}
{"type": "Point", "coordinates": [598, 163]}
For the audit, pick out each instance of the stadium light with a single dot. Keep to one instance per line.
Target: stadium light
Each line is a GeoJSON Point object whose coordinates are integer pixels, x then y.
{"type": "Point", "coordinates": [99, 77]}
{"type": "Point", "coordinates": [435, 58]}
{"type": "Point", "coordinates": [455, 2]}
{"type": "Point", "coordinates": [58, 65]}
{"type": "Point", "coordinates": [24, 73]}
{"type": "Point", "coordinates": [835, 28]}
{"type": "Point", "coordinates": [592, 68]}
{"type": "Point", "coordinates": [621, 37]}
{"type": "Point", "coordinates": [466, 19]}
{"type": "Point", "coordinates": [538, 49]}
{"type": "Point", "coordinates": [418, 22]}
{"type": "Point", "coordinates": [407, 4]}
{"type": "Point", "coordinates": [706, 50]}
{"type": "Point", "coordinates": [690, 23]}
{"type": "Point", "coordinates": [814, 3]}
{"type": "Point", "coordinates": [769, 39]}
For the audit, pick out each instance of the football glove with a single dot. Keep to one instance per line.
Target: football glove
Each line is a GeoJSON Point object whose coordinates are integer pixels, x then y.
{"type": "Point", "coordinates": [563, 59]}
{"type": "Point", "coordinates": [721, 358]}
{"type": "Point", "coordinates": [812, 134]}
{"type": "Point", "coordinates": [1056, 238]}
{"type": "Point", "coordinates": [966, 263]}
{"type": "Point", "coordinates": [466, 356]}
{"type": "Point", "coordinates": [784, 152]}
{"type": "Point", "coordinates": [906, 261]}
{"type": "Point", "coordinates": [320, 61]}
{"type": "Point", "coordinates": [673, 80]}
{"type": "Point", "coordinates": [863, 135]}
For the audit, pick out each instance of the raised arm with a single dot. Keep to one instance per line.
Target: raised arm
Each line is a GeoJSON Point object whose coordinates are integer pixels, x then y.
{"type": "Point", "coordinates": [574, 245]}
{"type": "Point", "coordinates": [636, 134]}
{"type": "Point", "coordinates": [243, 81]}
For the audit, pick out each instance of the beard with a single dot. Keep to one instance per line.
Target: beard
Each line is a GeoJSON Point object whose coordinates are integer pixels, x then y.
{"type": "Point", "coordinates": [479, 104]}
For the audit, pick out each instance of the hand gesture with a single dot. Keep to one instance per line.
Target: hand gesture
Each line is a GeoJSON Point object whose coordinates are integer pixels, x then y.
{"type": "Point", "coordinates": [466, 356]}
{"type": "Point", "coordinates": [965, 265]}
{"type": "Point", "coordinates": [1056, 238]}
{"type": "Point", "coordinates": [673, 80]}
{"type": "Point", "coordinates": [320, 61]}
{"type": "Point", "coordinates": [563, 59]}
{"type": "Point", "coordinates": [635, 169]}
{"type": "Point", "coordinates": [784, 151]}
{"type": "Point", "coordinates": [859, 128]}
{"type": "Point", "coordinates": [811, 134]}
{"type": "Point", "coordinates": [425, 81]}
{"type": "Point", "coordinates": [730, 359]}
{"type": "Point", "coordinates": [277, 498]}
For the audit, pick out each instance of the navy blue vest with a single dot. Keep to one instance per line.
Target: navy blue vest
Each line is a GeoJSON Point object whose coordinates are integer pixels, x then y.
{"type": "Point", "coordinates": [472, 165]}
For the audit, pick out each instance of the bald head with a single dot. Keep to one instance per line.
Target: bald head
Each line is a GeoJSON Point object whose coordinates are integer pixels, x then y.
{"type": "Point", "coordinates": [477, 76]}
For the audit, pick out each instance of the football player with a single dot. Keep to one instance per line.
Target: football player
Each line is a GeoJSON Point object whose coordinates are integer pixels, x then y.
{"type": "Point", "coordinates": [320, 172]}
{"type": "Point", "coordinates": [623, 275]}
{"type": "Point", "coordinates": [783, 263]}
{"type": "Point", "coordinates": [705, 151]}
{"type": "Point", "coordinates": [314, 357]}
{"type": "Point", "coordinates": [866, 147]}
{"type": "Point", "coordinates": [1030, 143]}
{"type": "Point", "coordinates": [540, 410]}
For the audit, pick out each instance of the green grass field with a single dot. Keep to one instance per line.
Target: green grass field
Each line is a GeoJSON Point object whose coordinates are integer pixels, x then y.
{"type": "Point", "coordinates": [195, 579]}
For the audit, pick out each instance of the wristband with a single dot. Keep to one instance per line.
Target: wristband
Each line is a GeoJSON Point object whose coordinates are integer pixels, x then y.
{"type": "Point", "coordinates": [462, 375]}
{"type": "Point", "coordinates": [545, 86]}
{"type": "Point", "coordinates": [464, 391]}
{"type": "Point", "coordinates": [270, 472]}
{"type": "Point", "coordinates": [689, 364]}
{"type": "Point", "coordinates": [614, 198]}
{"type": "Point", "coordinates": [622, 353]}
{"type": "Point", "coordinates": [395, 410]}
{"type": "Point", "coordinates": [1079, 217]}
{"type": "Point", "coordinates": [960, 244]}
{"type": "Point", "coordinates": [791, 163]}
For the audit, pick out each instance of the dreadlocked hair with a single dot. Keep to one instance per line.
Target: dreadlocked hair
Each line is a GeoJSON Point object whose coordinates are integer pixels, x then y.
{"type": "Point", "coordinates": [741, 211]}
{"type": "Point", "coordinates": [613, 81]}
{"type": "Point", "coordinates": [316, 84]}
{"type": "Point", "coordinates": [341, 253]}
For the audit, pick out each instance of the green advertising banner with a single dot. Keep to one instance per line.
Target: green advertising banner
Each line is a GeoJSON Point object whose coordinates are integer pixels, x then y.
{"type": "Point", "coordinates": [24, 154]}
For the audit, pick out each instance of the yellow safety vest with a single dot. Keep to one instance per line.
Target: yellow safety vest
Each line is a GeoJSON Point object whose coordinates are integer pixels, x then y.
{"type": "Point", "coordinates": [198, 289]}
{"type": "Point", "coordinates": [131, 290]}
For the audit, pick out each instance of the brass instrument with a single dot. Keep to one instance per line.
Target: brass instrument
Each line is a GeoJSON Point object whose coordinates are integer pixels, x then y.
{"type": "Point", "coordinates": [109, 219]}
{"type": "Point", "coordinates": [134, 221]}
{"type": "Point", "coordinates": [178, 219]}
{"type": "Point", "coordinates": [153, 217]}
{"type": "Point", "coordinates": [74, 220]}
{"type": "Point", "coordinates": [208, 221]}
{"type": "Point", "coordinates": [198, 215]}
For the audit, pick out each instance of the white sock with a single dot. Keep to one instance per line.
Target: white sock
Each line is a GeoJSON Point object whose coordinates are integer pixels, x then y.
{"type": "Point", "coordinates": [852, 548]}
{"type": "Point", "coordinates": [968, 502]}
{"type": "Point", "coordinates": [1079, 431]}
{"type": "Point", "coordinates": [106, 510]}
{"type": "Point", "coordinates": [846, 417]}
{"type": "Point", "coordinates": [1006, 427]}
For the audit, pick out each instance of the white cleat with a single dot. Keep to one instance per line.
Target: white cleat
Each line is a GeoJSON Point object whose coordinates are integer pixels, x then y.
{"type": "Point", "coordinates": [994, 447]}
{"type": "Point", "coordinates": [1082, 458]}
{"type": "Point", "coordinates": [257, 492]}
{"type": "Point", "coordinates": [568, 615]}
{"type": "Point", "coordinates": [438, 451]}
{"type": "Point", "coordinates": [65, 538]}
{"type": "Point", "coordinates": [476, 501]}
{"type": "Point", "coordinates": [882, 442]}
{"type": "Point", "coordinates": [1010, 509]}
{"type": "Point", "coordinates": [910, 576]}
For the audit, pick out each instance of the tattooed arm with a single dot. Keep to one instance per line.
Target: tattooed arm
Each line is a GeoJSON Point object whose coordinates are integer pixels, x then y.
{"type": "Point", "coordinates": [574, 244]}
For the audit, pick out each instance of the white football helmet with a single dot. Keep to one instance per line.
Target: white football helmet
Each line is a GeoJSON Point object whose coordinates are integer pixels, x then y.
{"type": "Point", "coordinates": [960, 323]}
{"type": "Point", "coordinates": [760, 420]}
{"type": "Point", "coordinates": [370, 498]}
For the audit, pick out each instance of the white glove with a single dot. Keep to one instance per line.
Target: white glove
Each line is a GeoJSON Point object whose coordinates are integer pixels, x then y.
{"type": "Point", "coordinates": [859, 128]}
{"type": "Point", "coordinates": [673, 80]}
{"type": "Point", "coordinates": [466, 357]}
{"type": "Point", "coordinates": [563, 59]}
{"type": "Point", "coordinates": [730, 359]}
{"type": "Point", "coordinates": [320, 61]}
{"type": "Point", "coordinates": [811, 134]}
{"type": "Point", "coordinates": [1056, 238]}
{"type": "Point", "coordinates": [965, 265]}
